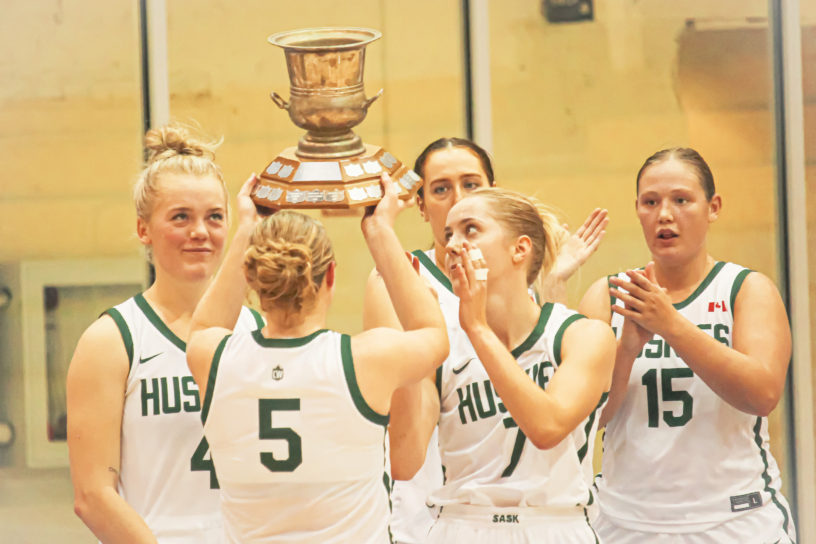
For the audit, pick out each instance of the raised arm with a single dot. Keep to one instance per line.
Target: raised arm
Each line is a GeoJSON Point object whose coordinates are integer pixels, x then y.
{"type": "Point", "coordinates": [219, 308]}
{"type": "Point", "coordinates": [387, 358]}
{"type": "Point", "coordinates": [414, 407]}
{"type": "Point", "coordinates": [749, 375]}
{"type": "Point", "coordinates": [95, 389]}
{"type": "Point", "coordinates": [573, 254]}
{"type": "Point", "coordinates": [587, 357]}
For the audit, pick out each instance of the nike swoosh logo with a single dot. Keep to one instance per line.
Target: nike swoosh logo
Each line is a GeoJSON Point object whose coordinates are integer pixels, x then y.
{"type": "Point", "coordinates": [461, 368]}
{"type": "Point", "coordinates": [146, 359]}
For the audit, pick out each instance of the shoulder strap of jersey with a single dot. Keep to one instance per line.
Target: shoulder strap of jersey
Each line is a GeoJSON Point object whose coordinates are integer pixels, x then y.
{"type": "Point", "coordinates": [431, 267]}
{"type": "Point", "coordinates": [208, 395]}
{"type": "Point", "coordinates": [259, 320]}
{"type": "Point", "coordinates": [127, 338]}
{"type": "Point", "coordinates": [353, 386]}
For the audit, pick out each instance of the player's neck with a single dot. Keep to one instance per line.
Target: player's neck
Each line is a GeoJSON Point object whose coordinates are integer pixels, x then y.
{"type": "Point", "coordinates": [175, 302]}
{"type": "Point", "coordinates": [512, 315]}
{"type": "Point", "coordinates": [680, 279]}
{"type": "Point", "coordinates": [280, 324]}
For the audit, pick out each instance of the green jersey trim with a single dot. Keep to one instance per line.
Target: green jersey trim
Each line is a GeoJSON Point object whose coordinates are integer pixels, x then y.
{"type": "Point", "coordinates": [351, 380]}
{"type": "Point", "coordinates": [767, 477]}
{"type": "Point", "coordinates": [700, 288]}
{"type": "Point", "coordinates": [587, 429]}
{"type": "Point", "coordinates": [284, 342]}
{"type": "Point", "coordinates": [433, 269]}
{"type": "Point", "coordinates": [737, 285]}
{"type": "Point", "coordinates": [538, 330]}
{"type": "Point", "coordinates": [258, 319]}
{"type": "Point", "coordinates": [591, 528]}
{"type": "Point", "coordinates": [438, 382]}
{"type": "Point", "coordinates": [154, 318]}
{"type": "Point", "coordinates": [208, 395]}
{"type": "Point", "coordinates": [123, 331]}
{"type": "Point", "coordinates": [560, 335]}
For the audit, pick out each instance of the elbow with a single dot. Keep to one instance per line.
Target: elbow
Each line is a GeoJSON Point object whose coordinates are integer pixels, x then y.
{"type": "Point", "coordinates": [547, 437]}
{"type": "Point", "coordinates": [440, 348]}
{"type": "Point", "coordinates": [764, 403]}
{"type": "Point", "coordinates": [88, 503]}
{"type": "Point", "coordinates": [83, 506]}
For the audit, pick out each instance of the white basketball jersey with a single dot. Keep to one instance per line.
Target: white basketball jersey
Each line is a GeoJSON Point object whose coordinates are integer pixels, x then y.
{"type": "Point", "coordinates": [166, 474]}
{"type": "Point", "coordinates": [677, 457]}
{"type": "Point", "coordinates": [488, 460]}
{"type": "Point", "coordinates": [299, 454]}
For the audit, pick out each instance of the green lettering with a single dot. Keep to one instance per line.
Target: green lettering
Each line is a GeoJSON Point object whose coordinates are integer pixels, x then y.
{"type": "Point", "coordinates": [152, 395]}
{"type": "Point", "coordinates": [465, 401]}
{"type": "Point", "coordinates": [167, 408]}
{"type": "Point", "coordinates": [190, 390]}
{"type": "Point", "coordinates": [477, 397]}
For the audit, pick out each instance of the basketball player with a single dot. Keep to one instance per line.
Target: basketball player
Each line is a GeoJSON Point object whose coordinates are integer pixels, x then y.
{"type": "Point", "coordinates": [517, 401]}
{"type": "Point", "coordinates": [451, 168]}
{"type": "Point", "coordinates": [296, 414]}
{"type": "Point", "coordinates": [703, 349]}
{"type": "Point", "coordinates": [139, 462]}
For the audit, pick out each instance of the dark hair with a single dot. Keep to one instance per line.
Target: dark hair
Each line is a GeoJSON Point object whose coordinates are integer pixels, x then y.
{"type": "Point", "coordinates": [448, 143]}
{"type": "Point", "coordinates": [688, 156]}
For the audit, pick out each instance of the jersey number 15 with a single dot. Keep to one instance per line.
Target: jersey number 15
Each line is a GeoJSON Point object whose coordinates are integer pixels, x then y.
{"type": "Point", "coordinates": [669, 394]}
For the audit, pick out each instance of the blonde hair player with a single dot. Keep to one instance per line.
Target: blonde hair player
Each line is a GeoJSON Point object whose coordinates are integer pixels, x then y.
{"type": "Point", "coordinates": [516, 405]}
{"type": "Point", "coordinates": [452, 168]}
{"type": "Point", "coordinates": [296, 414]}
{"type": "Point", "coordinates": [139, 462]}
{"type": "Point", "coordinates": [703, 349]}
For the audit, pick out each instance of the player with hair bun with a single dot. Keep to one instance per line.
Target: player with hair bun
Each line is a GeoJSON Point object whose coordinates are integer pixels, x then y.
{"type": "Point", "coordinates": [139, 462]}
{"type": "Point", "coordinates": [296, 414]}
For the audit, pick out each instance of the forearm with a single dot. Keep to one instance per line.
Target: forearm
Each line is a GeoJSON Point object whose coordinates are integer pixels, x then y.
{"type": "Point", "coordinates": [111, 519]}
{"type": "Point", "coordinates": [745, 382]}
{"type": "Point", "coordinates": [413, 419]}
{"type": "Point", "coordinates": [553, 289]}
{"type": "Point", "coordinates": [522, 397]}
{"type": "Point", "coordinates": [221, 303]}
{"type": "Point", "coordinates": [413, 302]}
{"type": "Point", "coordinates": [624, 359]}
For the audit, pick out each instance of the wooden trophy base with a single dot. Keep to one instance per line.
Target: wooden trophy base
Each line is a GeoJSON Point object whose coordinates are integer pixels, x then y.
{"type": "Point", "coordinates": [295, 183]}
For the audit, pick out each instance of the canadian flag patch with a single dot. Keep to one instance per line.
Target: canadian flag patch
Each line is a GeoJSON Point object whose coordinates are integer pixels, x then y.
{"type": "Point", "coordinates": [717, 306]}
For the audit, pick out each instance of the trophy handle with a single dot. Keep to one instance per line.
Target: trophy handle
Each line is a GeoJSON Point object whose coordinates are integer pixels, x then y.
{"type": "Point", "coordinates": [283, 104]}
{"type": "Point", "coordinates": [371, 100]}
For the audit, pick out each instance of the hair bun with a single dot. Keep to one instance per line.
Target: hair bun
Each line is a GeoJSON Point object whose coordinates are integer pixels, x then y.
{"type": "Point", "coordinates": [177, 139]}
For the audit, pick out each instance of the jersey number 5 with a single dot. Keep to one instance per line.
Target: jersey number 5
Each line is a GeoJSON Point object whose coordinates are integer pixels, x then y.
{"type": "Point", "coordinates": [267, 432]}
{"type": "Point", "coordinates": [669, 394]}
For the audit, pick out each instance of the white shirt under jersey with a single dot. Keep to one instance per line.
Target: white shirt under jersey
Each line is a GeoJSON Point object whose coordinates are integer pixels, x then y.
{"type": "Point", "coordinates": [299, 454]}
{"type": "Point", "coordinates": [166, 474]}
{"type": "Point", "coordinates": [488, 460]}
{"type": "Point", "coordinates": [677, 457]}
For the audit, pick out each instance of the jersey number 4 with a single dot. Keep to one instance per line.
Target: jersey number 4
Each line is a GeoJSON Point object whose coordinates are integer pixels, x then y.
{"type": "Point", "coordinates": [267, 432]}
{"type": "Point", "coordinates": [200, 461]}
{"type": "Point", "coordinates": [669, 395]}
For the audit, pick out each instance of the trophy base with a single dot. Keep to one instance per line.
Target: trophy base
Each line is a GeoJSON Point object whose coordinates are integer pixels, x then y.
{"type": "Point", "coordinates": [293, 183]}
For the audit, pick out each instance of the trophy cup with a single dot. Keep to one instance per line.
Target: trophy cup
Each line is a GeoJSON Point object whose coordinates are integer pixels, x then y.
{"type": "Point", "coordinates": [331, 167]}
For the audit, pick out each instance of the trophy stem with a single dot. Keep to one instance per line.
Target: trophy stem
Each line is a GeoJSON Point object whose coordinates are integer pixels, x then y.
{"type": "Point", "coordinates": [330, 145]}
